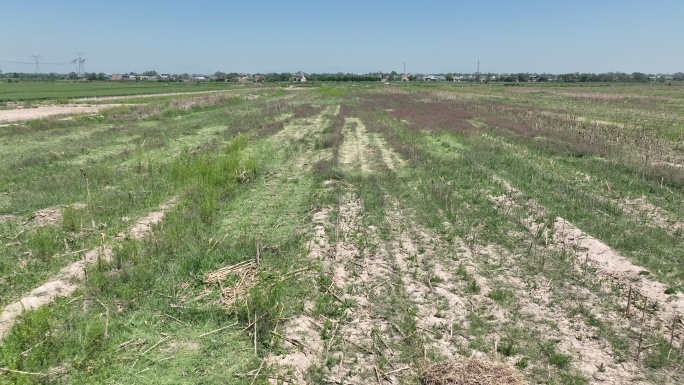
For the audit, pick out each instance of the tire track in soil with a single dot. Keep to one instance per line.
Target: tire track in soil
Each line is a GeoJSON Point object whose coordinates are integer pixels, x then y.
{"type": "Point", "coordinates": [67, 280]}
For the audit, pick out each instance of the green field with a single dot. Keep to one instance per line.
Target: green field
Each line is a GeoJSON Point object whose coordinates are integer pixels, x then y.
{"type": "Point", "coordinates": [346, 234]}
{"type": "Point", "coordinates": [64, 90]}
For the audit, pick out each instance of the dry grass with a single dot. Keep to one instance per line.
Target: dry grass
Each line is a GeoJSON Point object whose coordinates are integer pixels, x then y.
{"type": "Point", "coordinates": [245, 273]}
{"type": "Point", "coordinates": [471, 371]}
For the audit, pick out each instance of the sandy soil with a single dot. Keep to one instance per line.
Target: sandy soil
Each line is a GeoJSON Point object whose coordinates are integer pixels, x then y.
{"type": "Point", "coordinates": [611, 266]}
{"type": "Point", "coordinates": [652, 214]}
{"type": "Point", "coordinates": [21, 114]}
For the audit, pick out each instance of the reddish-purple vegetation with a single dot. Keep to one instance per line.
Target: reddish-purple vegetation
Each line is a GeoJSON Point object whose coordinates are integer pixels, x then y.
{"type": "Point", "coordinates": [305, 110]}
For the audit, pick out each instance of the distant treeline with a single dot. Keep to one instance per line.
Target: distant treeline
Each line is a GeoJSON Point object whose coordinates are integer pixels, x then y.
{"type": "Point", "coordinates": [638, 77]}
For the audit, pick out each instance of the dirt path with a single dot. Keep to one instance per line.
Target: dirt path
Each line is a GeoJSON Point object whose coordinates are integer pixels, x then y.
{"type": "Point", "coordinates": [47, 110]}
{"type": "Point", "coordinates": [21, 114]}
{"type": "Point", "coordinates": [67, 280]}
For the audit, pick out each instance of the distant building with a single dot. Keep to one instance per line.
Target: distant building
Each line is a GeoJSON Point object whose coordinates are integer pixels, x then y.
{"type": "Point", "coordinates": [116, 77]}
{"type": "Point", "coordinates": [298, 77]}
{"type": "Point", "coordinates": [245, 78]}
{"type": "Point", "coordinates": [434, 78]}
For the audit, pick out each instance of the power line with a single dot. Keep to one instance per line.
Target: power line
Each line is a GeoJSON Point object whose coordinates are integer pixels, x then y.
{"type": "Point", "coordinates": [32, 62]}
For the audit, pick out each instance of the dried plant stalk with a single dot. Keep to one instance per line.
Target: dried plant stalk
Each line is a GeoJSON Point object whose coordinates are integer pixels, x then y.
{"type": "Point", "coordinates": [471, 371]}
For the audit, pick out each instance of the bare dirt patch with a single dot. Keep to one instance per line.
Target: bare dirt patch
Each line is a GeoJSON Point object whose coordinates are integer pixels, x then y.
{"type": "Point", "coordinates": [354, 150]}
{"type": "Point", "coordinates": [7, 217]}
{"type": "Point", "coordinates": [305, 347]}
{"type": "Point", "coordinates": [103, 98]}
{"type": "Point", "coordinates": [21, 114]}
{"type": "Point", "coordinates": [655, 215]}
{"type": "Point", "coordinates": [143, 227]}
{"type": "Point", "coordinates": [610, 263]}
{"type": "Point", "coordinates": [52, 215]}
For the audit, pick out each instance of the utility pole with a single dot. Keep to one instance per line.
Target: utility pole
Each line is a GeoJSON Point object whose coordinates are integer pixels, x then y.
{"type": "Point", "coordinates": [478, 67]}
{"type": "Point", "coordinates": [404, 68]}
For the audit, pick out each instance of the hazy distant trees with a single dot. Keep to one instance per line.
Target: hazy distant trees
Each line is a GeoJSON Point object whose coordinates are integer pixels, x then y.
{"type": "Point", "coordinates": [220, 76]}
{"type": "Point", "coordinates": [639, 77]}
{"type": "Point", "coordinates": [340, 77]}
{"type": "Point", "coordinates": [273, 77]}
{"type": "Point", "coordinates": [278, 77]}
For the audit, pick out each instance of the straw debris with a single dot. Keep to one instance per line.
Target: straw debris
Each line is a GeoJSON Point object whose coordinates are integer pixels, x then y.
{"type": "Point", "coordinates": [471, 371]}
{"type": "Point", "coordinates": [245, 280]}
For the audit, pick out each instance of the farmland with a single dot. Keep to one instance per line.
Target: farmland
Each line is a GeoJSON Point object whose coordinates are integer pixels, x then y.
{"type": "Point", "coordinates": [59, 91]}
{"type": "Point", "coordinates": [346, 234]}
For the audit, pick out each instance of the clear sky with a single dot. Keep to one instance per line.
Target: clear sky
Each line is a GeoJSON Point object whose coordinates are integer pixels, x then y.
{"type": "Point", "coordinates": [205, 36]}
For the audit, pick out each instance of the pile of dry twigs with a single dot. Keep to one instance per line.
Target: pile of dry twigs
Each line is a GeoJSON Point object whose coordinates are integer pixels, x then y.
{"type": "Point", "coordinates": [471, 371]}
{"type": "Point", "coordinates": [246, 278]}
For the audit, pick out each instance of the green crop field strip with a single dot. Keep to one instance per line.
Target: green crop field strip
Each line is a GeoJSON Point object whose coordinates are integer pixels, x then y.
{"type": "Point", "coordinates": [63, 91]}
{"type": "Point", "coordinates": [344, 234]}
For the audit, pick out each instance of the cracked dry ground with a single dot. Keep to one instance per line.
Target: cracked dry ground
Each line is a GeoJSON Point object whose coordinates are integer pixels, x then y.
{"type": "Point", "coordinates": [396, 296]}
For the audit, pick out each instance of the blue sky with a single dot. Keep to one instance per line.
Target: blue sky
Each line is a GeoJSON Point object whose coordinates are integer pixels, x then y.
{"type": "Point", "coordinates": [348, 36]}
